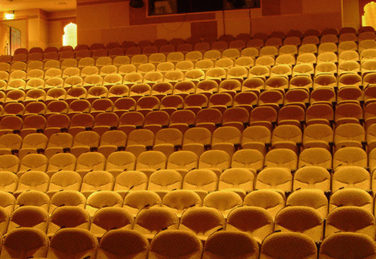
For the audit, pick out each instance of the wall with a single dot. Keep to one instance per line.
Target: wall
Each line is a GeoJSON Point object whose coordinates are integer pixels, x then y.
{"type": "Point", "coordinates": [22, 25]}
{"type": "Point", "coordinates": [39, 28]}
{"type": "Point", "coordinates": [298, 15]}
{"type": "Point", "coordinates": [114, 20]}
{"type": "Point", "coordinates": [56, 22]}
{"type": "Point", "coordinates": [351, 17]}
{"type": "Point", "coordinates": [4, 38]}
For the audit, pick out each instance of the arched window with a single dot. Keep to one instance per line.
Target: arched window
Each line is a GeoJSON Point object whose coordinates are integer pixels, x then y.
{"type": "Point", "coordinates": [70, 35]}
{"type": "Point", "coordinates": [369, 17]}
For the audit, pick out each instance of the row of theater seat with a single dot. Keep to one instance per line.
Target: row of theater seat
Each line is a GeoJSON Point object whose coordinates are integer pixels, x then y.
{"type": "Point", "coordinates": [135, 198]}
{"type": "Point", "coordinates": [203, 69]}
{"type": "Point", "coordinates": [348, 62]}
{"type": "Point", "coordinates": [79, 139]}
{"type": "Point", "coordinates": [179, 61]}
{"type": "Point", "coordinates": [158, 128]}
{"type": "Point", "coordinates": [82, 51]}
{"type": "Point", "coordinates": [327, 35]}
{"type": "Point", "coordinates": [348, 50]}
{"type": "Point", "coordinates": [149, 110]}
{"type": "Point", "coordinates": [125, 243]}
{"type": "Point", "coordinates": [259, 77]}
{"type": "Point", "coordinates": [246, 167]}
{"type": "Point", "coordinates": [202, 220]}
{"type": "Point", "coordinates": [252, 92]}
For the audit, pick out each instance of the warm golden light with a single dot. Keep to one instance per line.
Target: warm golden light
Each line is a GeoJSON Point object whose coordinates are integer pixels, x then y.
{"type": "Point", "coordinates": [369, 18]}
{"type": "Point", "coordinates": [70, 35]}
{"type": "Point", "coordinates": [9, 16]}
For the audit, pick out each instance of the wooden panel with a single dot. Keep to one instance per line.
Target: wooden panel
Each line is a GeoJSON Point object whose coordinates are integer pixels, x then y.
{"type": "Point", "coordinates": [291, 7]}
{"type": "Point", "coordinates": [202, 29]}
{"type": "Point", "coordinates": [271, 7]}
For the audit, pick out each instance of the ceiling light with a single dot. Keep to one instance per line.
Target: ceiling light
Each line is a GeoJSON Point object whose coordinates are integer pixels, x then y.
{"type": "Point", "coordinates": [9, 16]}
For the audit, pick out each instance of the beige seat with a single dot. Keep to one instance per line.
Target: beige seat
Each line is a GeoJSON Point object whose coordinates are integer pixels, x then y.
{"type": "Point", "coordinates": [254, 84]}
{"type": "Point", "coordinates": [201, 181]}
{"type": "Point", "coordinates": [90, 161]}
{"type": "Point", "coordinates": [256, 137]}
{"type": "Point", "coordinates": [315, 156]}
{"type": "Point", "coordinates": [315, 199]}
{"type": "Point", "coordinates": [351, 177]}
{"type": "Point", "coordinates": [72, 242]}
{"type": "Point", "coordinates": [238, 245]}
{"type": "Point", "coordinates": [348, 112]}
{"type": "Point", "coordinates": [61, 162]}
{"type": "Point", "coordinates": [67, 198]}
{"type": "Point", "coordinates": [68, 217]}
{"type": "Point", "coordinates": [270, 200]}
{"type": "Point", "coordinates": [256, 221]}
{"type": "Point", "coordinates": [274, 178]}
{"type": "Point", "coordinates": [139, 141]}
{"type": "Point", "coordinates": [287, 136]}
{"type": "Point", "coordinates": [238, 180]}
{"type": "Point", "coordinates": [137, 200]}
{"type": "Point", "coordinates": [10, 124]}
{"type": "Point", "coordinates": [351, 197]}
{"type": "Point", "coordinates": [224, 201]}
{"type": "Point", "coordinates": [124, 243]}
{"type": "Point", "coordinates": [131, 180]}
{"type": "Point", "coordinates": [9, 163]}
{"type": "Point", "coordinates": [33, 143]}
{"type": "Point", "coordinates": [85, 141]}
{"type": "Point", "coordinates": [350, 156]}
{"type": "Point", "coordinates": [322, 98]}
{"type": "Point", "coordinates": [120, 161]}
{"type": "Point", "coordinates": [57, 144]}
{"type": "Point", "coordinates": [8, 202]}
{"type": "Point", "coordinates": [318, 136]}
{"type": "Point", "coordinates": [350, 219]}
{"type": "Point", "coordinates": [25, 242]}
{"type": "Point", "coordinates": [281, 157]}
{"type": "Point", "coordinates": [64, 180]}
{"type": "Point", "coordinates": [214, 160]}
{"type": "Point", "coordinates": [168, 140]}
{"type": "Point", "coordinates": [182, 161]}
{"type": "Point", "coordinates": [226, 138]}
{"type": "Point", "coordinates": [238, 116]}
{"type": "Point", "coordinates": [202, 221]}
{"type": "Point", "coordinates": [108, 219]}
{"type": "Point", "coordinates": [151, 161]}
{"type": "Point", "coordinates": [97, 181]}
{"type": "Point", "coordinates": [312, 177]}
{"type": "Point", "coordinates": [187, 245]}
{"type": "Point", "coordinates": [300, 219]}
{"type": "Point", "coordinates": [346, 245]}
{"type": "Point", "coordinates": [349, 135]}
{"type": "Point", "coordinates": [249, 159]}
{"type": "Point", "coordinates": [196, 139]}
{"type": "Point", "coordinates": [152, 220]}
{"type": "Point", "coordinates": [29, 217]}
{"type": "Point", "coordinates": [8, 181]}
{"type": "Point", "coordinates": [98, 200]}
{"type": "Point", "coordinates": [263, 116]}
{"type": "Point", "coordinates": [288, 245]}
{"type": "Point", "coordinates": [33, 198]}
{"type": "Point", "coordinates": [33, 180]}
{"type": "Point", "coordinates": [164, 181]}
{"type": "Point", "coordinates": [181, 200]}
